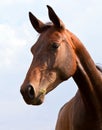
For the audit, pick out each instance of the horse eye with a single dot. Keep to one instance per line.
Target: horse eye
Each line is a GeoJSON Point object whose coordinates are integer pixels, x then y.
{"type": "Point", "coordinates": [55, 46]}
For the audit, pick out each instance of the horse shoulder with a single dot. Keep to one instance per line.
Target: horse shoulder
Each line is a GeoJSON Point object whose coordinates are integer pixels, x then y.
{"type": "Point", "coordinates": [69, 112]}
{"type": "Point", "coordinates": [64, 121]}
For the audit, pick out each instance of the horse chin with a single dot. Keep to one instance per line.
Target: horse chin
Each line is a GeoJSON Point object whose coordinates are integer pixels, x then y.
{"type": "Point", "coordinates": [38, 101]}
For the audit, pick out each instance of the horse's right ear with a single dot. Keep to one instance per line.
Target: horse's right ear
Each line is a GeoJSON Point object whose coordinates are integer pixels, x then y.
{"type": "Point", "coordinates": [36, 23]}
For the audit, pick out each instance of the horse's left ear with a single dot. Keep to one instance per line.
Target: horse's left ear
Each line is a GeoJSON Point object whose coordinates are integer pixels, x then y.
{"type": "Point", "coordinates": [54, 18]}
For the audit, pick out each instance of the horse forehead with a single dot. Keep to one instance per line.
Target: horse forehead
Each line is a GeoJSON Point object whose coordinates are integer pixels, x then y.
{"type": "Point", "coordinates": [52, 36]}
{"type": "Point", "coordinates": [47, 38]}
{"type": "Point", "coordinates": [55, 35]}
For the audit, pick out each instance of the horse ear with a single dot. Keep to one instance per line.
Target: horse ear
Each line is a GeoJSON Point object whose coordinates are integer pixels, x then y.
{"type": "Point", "coordinates": [54, 18]}
{"type": "Point", "coordinates": [36, 23]}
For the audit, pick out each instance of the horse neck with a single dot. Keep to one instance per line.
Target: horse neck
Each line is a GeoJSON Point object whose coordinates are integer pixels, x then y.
{"type": "Point", "coordinates": [87, 77]}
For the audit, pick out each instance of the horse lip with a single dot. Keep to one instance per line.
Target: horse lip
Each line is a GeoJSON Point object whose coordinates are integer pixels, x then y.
{"type": "Point", "coordinates": [40, 97]}
{"type": "Point", "coordinates": [38, 100]}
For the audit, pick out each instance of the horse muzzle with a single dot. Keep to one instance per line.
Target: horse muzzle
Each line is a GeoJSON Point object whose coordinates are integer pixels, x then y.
{"type": "Point", "coordinates": [30, 96]}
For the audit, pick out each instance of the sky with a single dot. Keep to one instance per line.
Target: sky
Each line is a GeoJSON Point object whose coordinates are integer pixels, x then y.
{"type": "Point", "coordinates": [83, 18]}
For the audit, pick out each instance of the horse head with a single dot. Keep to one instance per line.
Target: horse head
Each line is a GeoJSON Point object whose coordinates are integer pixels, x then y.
{"type": "Point", "coordinates": [54, 60]}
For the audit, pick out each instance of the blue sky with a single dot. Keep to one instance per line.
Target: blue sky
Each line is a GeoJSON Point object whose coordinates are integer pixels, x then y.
{"type": "Point", "coordinates": [84, 18]}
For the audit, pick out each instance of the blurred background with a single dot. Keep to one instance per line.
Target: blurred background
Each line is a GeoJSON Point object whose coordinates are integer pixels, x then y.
{"type": "Point", "coordinates": [83, 18]}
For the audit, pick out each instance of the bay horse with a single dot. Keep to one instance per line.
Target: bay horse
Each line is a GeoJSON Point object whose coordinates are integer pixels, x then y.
{"type": "Point", "coordinates": [58, 55]}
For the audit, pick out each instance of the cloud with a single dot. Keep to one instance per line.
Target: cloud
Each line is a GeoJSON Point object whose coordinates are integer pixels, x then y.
{"type": "Point", "coordinates": [10, 44]}
{"type": "Point", "coordinates": [10, 2]}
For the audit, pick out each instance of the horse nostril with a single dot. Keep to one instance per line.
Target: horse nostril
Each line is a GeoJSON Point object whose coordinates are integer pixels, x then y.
{"type": "Point", "coordinates": [31, 92]}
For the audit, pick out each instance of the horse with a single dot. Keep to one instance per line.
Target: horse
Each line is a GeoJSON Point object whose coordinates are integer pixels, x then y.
{"type": "Point", "coordinates": [58, 54]}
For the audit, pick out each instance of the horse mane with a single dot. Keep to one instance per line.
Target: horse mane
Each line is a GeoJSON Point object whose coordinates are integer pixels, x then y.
{"type": "Point", "coordinates": [49, 24]}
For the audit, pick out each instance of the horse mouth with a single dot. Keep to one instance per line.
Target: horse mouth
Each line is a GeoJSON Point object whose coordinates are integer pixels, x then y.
{"type": "Point", "coordinates": [31, 98]}
{"type": "Point", "coordinates": [36, 101]}
{"type": "Point", "coordinates": [39, 100]}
